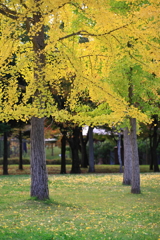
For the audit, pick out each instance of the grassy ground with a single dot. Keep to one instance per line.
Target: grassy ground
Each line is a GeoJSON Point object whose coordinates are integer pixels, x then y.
{"type": "Point", "coordinates": [55, 169]}
{"type": "Point", "coordinates": [85, 206]}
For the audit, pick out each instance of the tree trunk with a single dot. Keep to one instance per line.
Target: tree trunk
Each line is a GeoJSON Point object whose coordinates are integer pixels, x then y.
{"type": "Point", "coordinates": [155, 141]}
{"type": "Point", "coordinates": [135, 183]}
{"type": "Point", "coordinates": [5, 154]}
{"type": "Point", "coordinates": [63, 153]}
{"type": "Point", "coordinates": [20, 151]}
{"type": "Point", "coordinates": [91, 151]}
{"type": "Point", "coordinates": [39, 178]}
{"type": "Point", "coordinates": [119, 153]}
{"type": "Point", "coordinates": [74, 144]}
{"type": "Point", "coordinates": [151, 151]}
{"type": "Point", "coordinates": [127, 157]}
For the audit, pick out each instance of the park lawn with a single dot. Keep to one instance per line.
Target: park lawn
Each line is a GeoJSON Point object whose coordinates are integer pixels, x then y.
{"type": "Point", "coordinates": [85, 206]}
{"type": "Point", "coordinates": [55, 169]}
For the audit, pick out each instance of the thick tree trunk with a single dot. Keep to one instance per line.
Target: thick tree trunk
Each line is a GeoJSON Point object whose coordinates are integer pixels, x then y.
{"type": "Point", "coordinates": [63, 153]}
{"type": "Point", "coordinates": [91, 151]}
{"type": "Point", "coordinates": [5, 154]}
{"type": "Point", "coordinates": [39, 178]}
{"type": "Point", "coordinates": [135, 183]}
{"type": "Point", "coordinates": [127, 157]}
{"type": "Point", "coordinates": [20, 151]}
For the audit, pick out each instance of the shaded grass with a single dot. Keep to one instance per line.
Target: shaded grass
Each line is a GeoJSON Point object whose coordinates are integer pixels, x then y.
{"type": "Point", "coordinates": [88, 206]}
{"type": "Point", "coordinates": [55, 169]}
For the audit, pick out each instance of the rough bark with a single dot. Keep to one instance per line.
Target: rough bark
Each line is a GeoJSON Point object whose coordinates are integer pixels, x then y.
{"type": "Point", "coordinates": [20, 151]}
{"type": "Point", "coordinates": [5, 154]}
{"type": "Point", "coordinates": [127, 157]}
{"type": "Point", "coordinates": [39, 178]}
{"type": "Point", "coordinates": [91, 151]}
{"type": "Point", "coordinates": [135, 183]}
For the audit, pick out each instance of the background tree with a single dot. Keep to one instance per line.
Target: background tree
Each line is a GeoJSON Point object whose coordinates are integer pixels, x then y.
{"type": "Point", "coordinates": [138, 96]}
{"type": "Point", "coordinates": [130, 47]}
{"type": "Point", "coordinates": [17, 130]}
{"type": "Point", "coordinates": [5, 129]}
{"type": "Point", "coordinates": [127, 175]}
{"type": "Point", "coordinates": [154, 142]}
{"type": "Point", "coordinates": [91, 151]}
{"type": "Point", "coordinates": [83, 149]}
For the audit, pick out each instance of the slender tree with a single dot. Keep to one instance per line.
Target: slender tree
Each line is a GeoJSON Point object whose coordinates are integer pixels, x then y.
{"type": "Point", "coordinates": [20, 151]}
{"type": "Point", "coordinates": [83, 141]}
{"type": "Point", "coordinates": [119, 152]}
{"type": "Point", "coordinates": [4, 129]}
{"type": "Point", "coordinates": [135, 182]}
{"type": "Point", "coordinates": [91, 151]}
{"type": "Point", "coordinates": [5, 153]}
{"type": "Point", "coordinates": [63, 152]}
{"type": "Point", "coordinates": [127, 175]}
{"type": "Point", "coordinates": [74, 145]}
{"type": "Point", "coordinates": [154, 141]}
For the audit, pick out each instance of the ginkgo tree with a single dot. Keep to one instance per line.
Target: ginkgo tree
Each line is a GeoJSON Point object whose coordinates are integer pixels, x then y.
{"type": "Point", "coordinates": [133, 75]}
{"type": "Point", "coordinates": [141, 89]}
{"type": "Point", "coordinates": [32, 31]}
{"type": "Point", "coordinates": [44, 38]}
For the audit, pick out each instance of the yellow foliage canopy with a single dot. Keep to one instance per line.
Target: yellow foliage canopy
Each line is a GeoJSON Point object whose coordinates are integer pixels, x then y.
{"type": "Point", "coordinates": [42, 40]}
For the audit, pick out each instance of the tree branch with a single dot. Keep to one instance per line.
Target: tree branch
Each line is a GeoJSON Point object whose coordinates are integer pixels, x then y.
{"type": "Point", "coordinates": [63, 5]}
{"type": "Point", "coordinates": [8, 12]}
{"type": "Point", "coordinates": [71, 3]}
{"type": "Point", "coordinates": [8, 15]}
{"type": "Point", "coordinates": [92, 55]}
{"type": "Point", "coordinates": [85, 33]}
{"type": "Point", "coordinates": [136, 59]}
{"type": "Point", "coordinates": [23, 4]}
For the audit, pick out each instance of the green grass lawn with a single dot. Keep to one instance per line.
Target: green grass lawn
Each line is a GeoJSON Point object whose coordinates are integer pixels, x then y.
{"type": "Point", "coordinates": [85, 206]}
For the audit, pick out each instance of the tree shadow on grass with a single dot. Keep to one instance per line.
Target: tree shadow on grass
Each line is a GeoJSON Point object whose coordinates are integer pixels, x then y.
{"type": "Point", "coordinates": [52, 202]}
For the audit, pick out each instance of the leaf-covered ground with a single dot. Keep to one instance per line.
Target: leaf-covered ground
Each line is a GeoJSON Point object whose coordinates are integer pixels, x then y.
{"type": "Point", "coordinates": [55, 169]}
{"type": "Point", "coordinates": [88, 206]}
